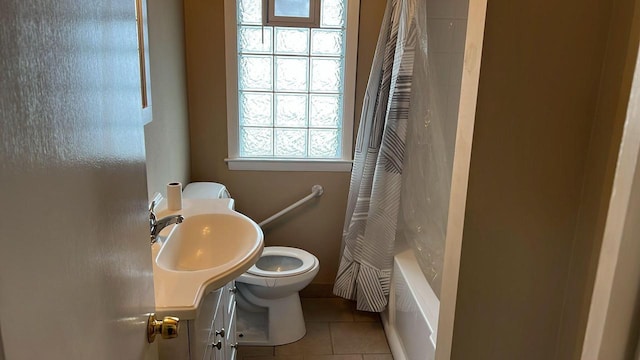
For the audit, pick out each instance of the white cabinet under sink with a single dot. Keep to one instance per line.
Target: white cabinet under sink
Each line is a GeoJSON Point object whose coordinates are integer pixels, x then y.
{"type": "Point", "coordinates": [211, 335]}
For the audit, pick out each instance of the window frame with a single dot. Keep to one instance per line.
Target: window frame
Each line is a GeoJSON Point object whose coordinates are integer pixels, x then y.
{"type": "Point", "coordinates": [270, 19]}
{"type": "Point", "coordinates": [234, 161]}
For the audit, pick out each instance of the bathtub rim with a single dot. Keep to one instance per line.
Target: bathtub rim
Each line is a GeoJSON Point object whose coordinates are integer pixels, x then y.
{"type": "Point", "coordinates": [421, 291]}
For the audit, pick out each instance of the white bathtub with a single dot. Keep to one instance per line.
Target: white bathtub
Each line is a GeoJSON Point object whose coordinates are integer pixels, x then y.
{"type": "Point", "coordinates": [411, 319]}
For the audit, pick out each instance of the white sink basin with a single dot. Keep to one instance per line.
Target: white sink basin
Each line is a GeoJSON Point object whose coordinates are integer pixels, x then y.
{"type": "Point", "coordinates": [208, 241]}
{"type": "Point", "coordinates": [212, 246]}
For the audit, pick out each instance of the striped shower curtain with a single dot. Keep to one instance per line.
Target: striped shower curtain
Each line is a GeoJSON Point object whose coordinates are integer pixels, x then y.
{"type": "Point", "coordinates": [374, 195]}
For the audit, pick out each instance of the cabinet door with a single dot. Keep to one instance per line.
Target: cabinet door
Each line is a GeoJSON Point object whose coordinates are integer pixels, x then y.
{"type": "Point", "coordinates": [230, 321]}
{"type": "Point", "coordinates": [232, 344]}
{"type": "Point", "coordinates": [230, 297]}
{"type": "Point", "coordinates": [208, 353]}
{"type": "Point", "coordinates": [216, 344]}
{"type": "Point", "coordinates": [203, 325]}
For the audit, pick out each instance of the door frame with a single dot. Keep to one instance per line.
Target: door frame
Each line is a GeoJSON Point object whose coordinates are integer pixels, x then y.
{"type": "Point", "coordinates": [1, 344]}
{"type": "Point", "coordinates": [460, 175]}
{"type": "Point", "coordinates": [616, 290]}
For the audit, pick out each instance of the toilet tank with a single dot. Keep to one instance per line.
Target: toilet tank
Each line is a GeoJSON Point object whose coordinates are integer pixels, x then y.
{"type": "Point", "coordinates": [205, 190]}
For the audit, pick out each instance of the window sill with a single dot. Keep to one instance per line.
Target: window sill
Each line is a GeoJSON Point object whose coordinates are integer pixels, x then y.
{"type": "Point", "coordinates": [289, 165]}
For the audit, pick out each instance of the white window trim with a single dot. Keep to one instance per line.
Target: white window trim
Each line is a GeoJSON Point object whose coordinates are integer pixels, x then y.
{"type": "Point", "coordinates": [273, 164]}
{"type": "Point", "coordinates": [234, 161]}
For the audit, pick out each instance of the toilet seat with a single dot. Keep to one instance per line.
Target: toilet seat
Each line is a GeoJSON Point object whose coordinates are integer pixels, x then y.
{"type": "Point", "coordinates": [307, 260]}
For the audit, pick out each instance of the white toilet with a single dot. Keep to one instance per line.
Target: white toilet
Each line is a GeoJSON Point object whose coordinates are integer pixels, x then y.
{"type": "Point", "coordinates": [269, 311]}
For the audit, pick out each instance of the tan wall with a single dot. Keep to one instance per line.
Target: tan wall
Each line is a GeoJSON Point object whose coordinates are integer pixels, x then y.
{"type": "Point", "coordinates": [316, 227]}
{"type": "Point", "coordinates": [167, 136]}
{"type": "Point", "coordinates": [538, 95]}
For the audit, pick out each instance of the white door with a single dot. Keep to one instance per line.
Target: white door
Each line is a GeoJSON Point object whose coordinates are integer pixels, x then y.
{"type": "Point", "coordinates": [75, 265]}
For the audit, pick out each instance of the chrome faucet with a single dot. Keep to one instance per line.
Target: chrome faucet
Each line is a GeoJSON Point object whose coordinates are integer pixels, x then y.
{"type": "Point", "coordinates": [155, 225]}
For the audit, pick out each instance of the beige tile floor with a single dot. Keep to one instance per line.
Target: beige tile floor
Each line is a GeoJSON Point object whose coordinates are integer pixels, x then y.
{"type": "Point", "coordinates": [335, 331]}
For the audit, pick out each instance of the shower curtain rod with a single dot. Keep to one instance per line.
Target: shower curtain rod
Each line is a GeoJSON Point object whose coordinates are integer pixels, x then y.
{"type": "Point", "coordinates": [316, 191]}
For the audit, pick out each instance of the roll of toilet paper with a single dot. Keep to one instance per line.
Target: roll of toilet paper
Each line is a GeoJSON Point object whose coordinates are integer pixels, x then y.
{"type": "Point", "coordinates": [174, 196]}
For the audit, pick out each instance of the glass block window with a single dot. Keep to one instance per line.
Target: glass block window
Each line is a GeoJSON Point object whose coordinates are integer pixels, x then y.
{"type": "Point", "coordinates": [291, 83]}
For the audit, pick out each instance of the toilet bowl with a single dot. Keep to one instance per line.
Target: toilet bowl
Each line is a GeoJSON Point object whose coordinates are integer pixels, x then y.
{"type": "Point", "coordinates": [269, 310]}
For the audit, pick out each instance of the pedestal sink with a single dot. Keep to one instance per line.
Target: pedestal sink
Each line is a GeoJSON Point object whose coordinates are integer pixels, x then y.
{"type": "Point", "coordinates": [212, 246]}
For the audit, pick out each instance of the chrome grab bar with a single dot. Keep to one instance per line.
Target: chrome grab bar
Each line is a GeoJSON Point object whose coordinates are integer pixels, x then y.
{"type": "Point", "coordinates": [316, 191]}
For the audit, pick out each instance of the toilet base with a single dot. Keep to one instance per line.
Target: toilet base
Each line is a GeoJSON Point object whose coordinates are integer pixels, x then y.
{"type": "Point", "coordinates": [277, 322]}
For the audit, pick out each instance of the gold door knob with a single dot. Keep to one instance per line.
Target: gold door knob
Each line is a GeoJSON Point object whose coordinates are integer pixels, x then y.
{"type": "Point", "coordinates": [167, 327]}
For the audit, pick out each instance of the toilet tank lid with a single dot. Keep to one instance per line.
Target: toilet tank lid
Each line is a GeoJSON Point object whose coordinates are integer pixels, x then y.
{"type": "Point", "coordinates": [205, 190]}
